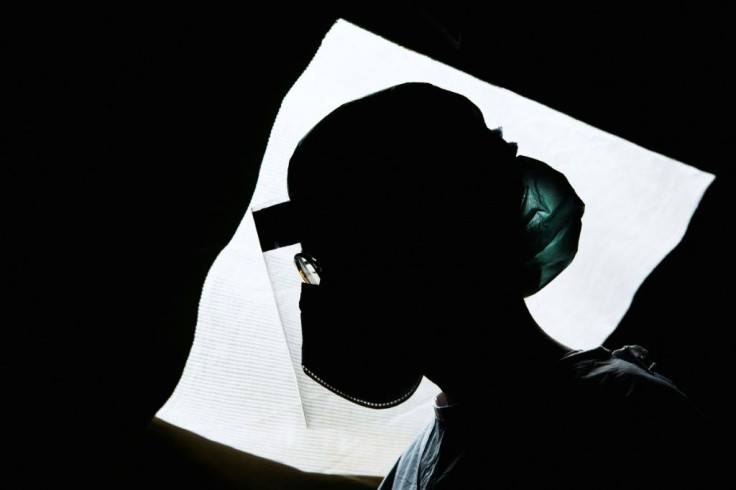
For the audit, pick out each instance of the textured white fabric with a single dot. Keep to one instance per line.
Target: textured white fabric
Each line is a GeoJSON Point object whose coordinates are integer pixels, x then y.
{"type": "Point", "coordinates": [243, 385]}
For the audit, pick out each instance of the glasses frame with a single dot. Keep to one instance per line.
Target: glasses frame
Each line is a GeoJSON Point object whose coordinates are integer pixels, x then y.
{"type": "Point", "coordinates": [308, 268]}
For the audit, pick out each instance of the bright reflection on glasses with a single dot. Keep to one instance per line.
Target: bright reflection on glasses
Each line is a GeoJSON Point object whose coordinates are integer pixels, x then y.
{"type": "Point", "coordinates": [308, 268]}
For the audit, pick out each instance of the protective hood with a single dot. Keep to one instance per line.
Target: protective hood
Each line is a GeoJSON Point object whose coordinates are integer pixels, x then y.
{"type": "Point", "coordinates": [379, 212]}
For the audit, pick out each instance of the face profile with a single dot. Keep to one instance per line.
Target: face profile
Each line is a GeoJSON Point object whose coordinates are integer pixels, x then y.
{"type": "Point", "coordinates": [412, 218]}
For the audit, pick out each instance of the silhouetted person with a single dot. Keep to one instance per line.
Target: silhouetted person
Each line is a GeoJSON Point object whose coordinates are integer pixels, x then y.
{"type": "Point", "coordinates": [422, 231]}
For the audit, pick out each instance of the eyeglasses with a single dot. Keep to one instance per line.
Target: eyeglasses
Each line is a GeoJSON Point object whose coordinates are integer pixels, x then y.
{"type": "Point", "coordinates": [308, 268]}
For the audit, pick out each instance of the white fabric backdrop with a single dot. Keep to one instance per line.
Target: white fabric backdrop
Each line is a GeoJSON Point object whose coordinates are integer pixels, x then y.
{"type": "Point", "coordinates": [243, 385]}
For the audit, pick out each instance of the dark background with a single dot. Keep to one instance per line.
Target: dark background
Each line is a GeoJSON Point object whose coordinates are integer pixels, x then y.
{"type": "Point", "coordinates": [131, 143]}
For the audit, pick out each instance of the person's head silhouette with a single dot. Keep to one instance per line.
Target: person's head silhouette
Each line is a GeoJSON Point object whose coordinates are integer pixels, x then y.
{"type": "Point", "coordinates": [421, 233]}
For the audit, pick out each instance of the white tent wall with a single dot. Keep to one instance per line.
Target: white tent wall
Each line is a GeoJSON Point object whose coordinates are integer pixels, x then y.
{"type": "Point", "coordinates": [243, 386]}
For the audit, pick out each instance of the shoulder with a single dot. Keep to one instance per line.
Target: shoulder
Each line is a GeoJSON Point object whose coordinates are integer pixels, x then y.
{"type": "Point", "coordinates": [623, 374]}
{"type": "Point", "coordinates": [640, 417]}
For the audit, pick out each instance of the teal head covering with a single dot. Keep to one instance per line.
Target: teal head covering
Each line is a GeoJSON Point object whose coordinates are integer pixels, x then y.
{"type": "Point", "coordinates": [551, 219]}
